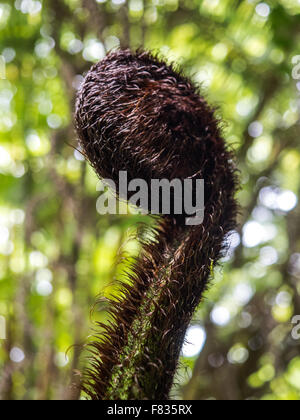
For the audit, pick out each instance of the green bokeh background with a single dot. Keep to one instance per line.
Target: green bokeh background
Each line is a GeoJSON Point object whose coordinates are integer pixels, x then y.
{"type": "Point", "coordinates": [57, 253]}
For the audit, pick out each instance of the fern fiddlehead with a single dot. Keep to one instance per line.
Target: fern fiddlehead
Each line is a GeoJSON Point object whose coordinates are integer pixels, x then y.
{"type": "Point", "coordinates": [137, 114]}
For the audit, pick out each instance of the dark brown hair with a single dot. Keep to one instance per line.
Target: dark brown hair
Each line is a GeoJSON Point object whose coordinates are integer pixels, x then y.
{"type": "Point", "coordinates": [138, 114]}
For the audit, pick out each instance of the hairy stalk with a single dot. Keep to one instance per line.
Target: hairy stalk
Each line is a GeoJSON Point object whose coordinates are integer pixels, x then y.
{"type": "Point", "coordinates": [136, 113]}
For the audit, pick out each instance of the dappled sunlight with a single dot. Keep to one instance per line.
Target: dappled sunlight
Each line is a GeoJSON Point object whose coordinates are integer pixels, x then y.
{"type": "Point", "coordinates": [194, 341]}
{"type": "Point", "coordinates": [58, 251]}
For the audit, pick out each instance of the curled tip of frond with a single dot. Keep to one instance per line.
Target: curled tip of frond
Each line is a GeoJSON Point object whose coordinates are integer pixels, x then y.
{"type": "Point", "coordinates": [136, 113]}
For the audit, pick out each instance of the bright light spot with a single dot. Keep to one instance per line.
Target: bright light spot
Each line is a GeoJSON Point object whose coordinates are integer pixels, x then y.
{"type": "Point", "coordinates": [286, 201]}
{"type": "Point", "coordinates": [7, 122]}
{"type": "Point", "coordinates": [284, 299]}
{"type": "Point", "coordinates": [234, 239]}
{"type": "Point", "coordinates": [64, 297]}
{"type": "Point", "coordinates": [277, 199]}
{"type": "Point", "coordinates": [277, 56]}
{"type": "Point", "coordinates": [290, 117]}
{"type": "Point", "coordinates": [44, 288]}
{"type": "Point", "coordinates": [6, 96]}
{"type": "Point", "coordinates": [255, 46]}
{"type": "Point", "coordinates": [194, 341]}
{"type": "Point", "coordinates": [9, 54]}
{"type": "Point", "coordinates": [44, 47]}
{"type": "Point", "coordinates": [255, 129]}
{"type": "Point", "coordinates": [263, 10]}
{"type": "Point", "coordinates": [220, 316]}
{"type": "Point", "coordinates": [243, 293]}
{"type": "Point", "coordinates": [54, 121]}
{"type": "Point", "coordinates": [44, 274]}
{"type": "Point", "coordinates": [17, 216]}
{"type": "Point", "coordinates": [211, 4]}
{"type": "Point", "coordinates": [6, 248]}
{"type": "Point", "coordinates": [117, 2]}
{"type": "Point", "coordinates": [260, 150]}
{"type": "Point", "coordinates": [257, 270]}
{"type": "Point", "coordinates": [93, 51]}
{"type": "Point", "coordinates": [294, 105]}
{"type": "Point", "coordinates": [4, 235]}
{"type": "Point", "coordinates": [79, 156]}
{"type": "Point", "coordinates": [17, 264]}
{"type": "Point", "coordinates": [4, 12]}
{"type": "Point", "coordinates": [18, 170]}
{"type": "Point", "coordinates": [112, 42]}
{"type": "Point", "coordinates": [268, 197]}
{"type": "Point", "coordinates": [61, 360]}
{"type": "Point", "coordinates": [238, 355]}
{"type": "Point", "coordinates": [72, 164]}
{"type": "Point", "coordinates": [220, 51]}
{"type": "Point", "coordinates": [28, 6]}
{"type": "Point", "coordinates": [75, 46]}
{"type": "Point", "coordinates": [255, 233]}
{"type": "Point", "coordinates": [33, 142]}
{"type": "Point", "coordinates": [77, 81]}
{"type": "Point", "coordinates": [244, 107]}
{"type": "Point", "coordinates": [136, 6]}
{"type": "Point", "coordinates": [45, 106]}
{"type": "Point", "coordinates": [262, 215]}
{"type": "Point", "coordinates": [266, 373]}
{"type": "Point", "coordinates": [268, 256]}
{"type": "Point", "coordinates": [37, 259]}
{"type": "Point", "coordinates": [16, 355]}
{"type": "Point", "coordinates": [205, 75]}
{"type": "Point", "coordinates": [232, 242]}
{"type": "Point", "coordinates": [5, 159]}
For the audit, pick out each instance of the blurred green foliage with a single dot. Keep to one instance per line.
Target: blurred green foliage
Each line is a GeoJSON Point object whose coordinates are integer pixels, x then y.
{"type": "Point", "coordinates": [57, 253]}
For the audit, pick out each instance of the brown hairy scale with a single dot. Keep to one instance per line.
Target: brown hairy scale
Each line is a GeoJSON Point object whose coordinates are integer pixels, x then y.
{"type": "Point", "coordinates": [137, 114]}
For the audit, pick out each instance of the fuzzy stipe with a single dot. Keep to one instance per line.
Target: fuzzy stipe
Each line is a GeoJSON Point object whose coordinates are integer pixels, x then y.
{"type": "Point", "coordinates": [137, 114]}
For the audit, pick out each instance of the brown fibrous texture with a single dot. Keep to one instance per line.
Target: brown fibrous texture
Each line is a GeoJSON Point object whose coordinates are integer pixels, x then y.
{"type": "Point", "coordinates": [136, 113]}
